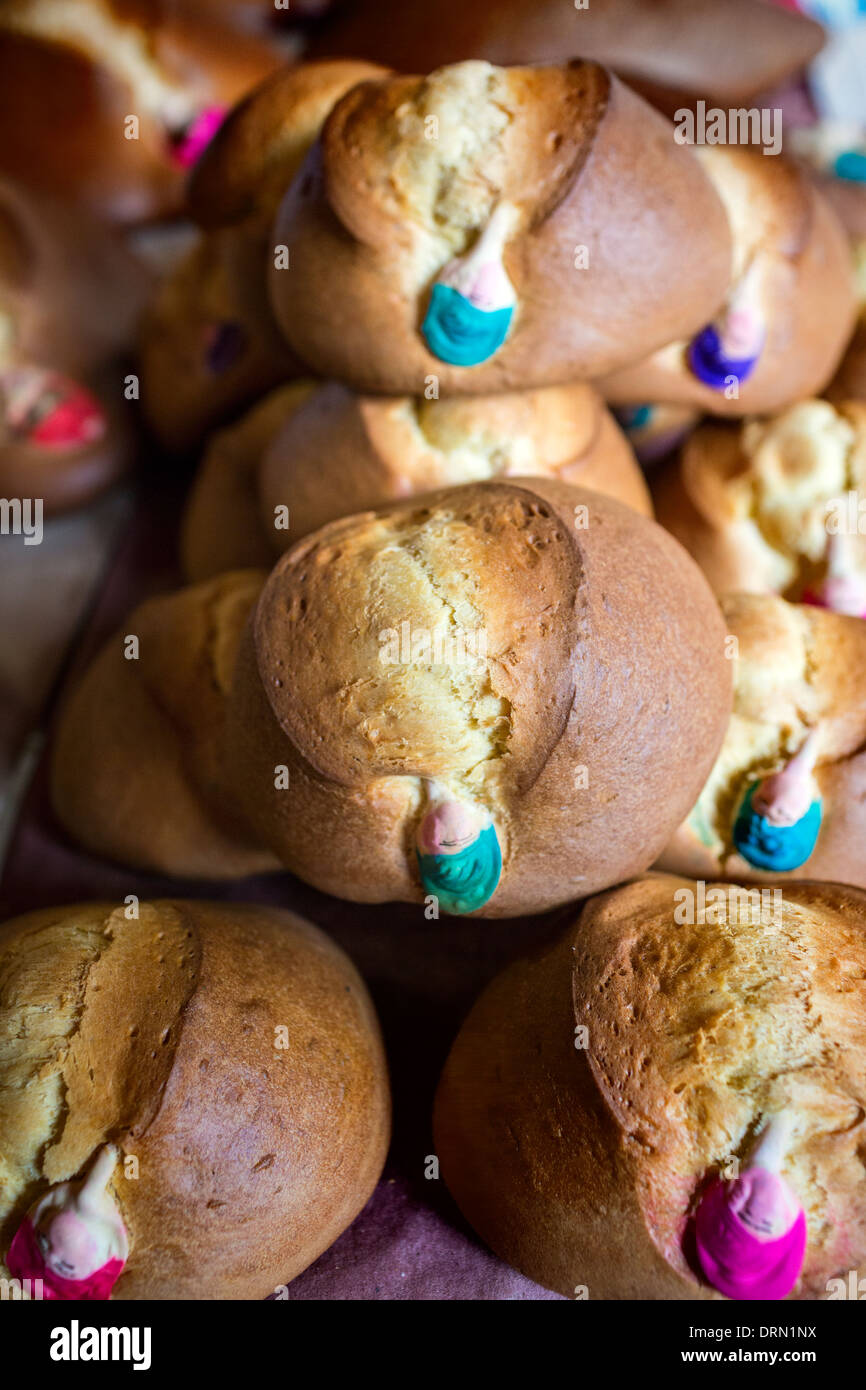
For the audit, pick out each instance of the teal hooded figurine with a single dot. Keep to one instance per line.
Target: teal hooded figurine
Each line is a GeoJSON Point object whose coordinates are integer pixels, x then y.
{"type": "Point", "coordinates": [459, 858]}
{"type": "Point", "coordinates": [779, 819]}
{"type": "Point", "coordinates": [472, 301]}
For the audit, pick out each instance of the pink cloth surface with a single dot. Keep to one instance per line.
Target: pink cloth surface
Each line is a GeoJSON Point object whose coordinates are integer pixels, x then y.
{"type": "Point", "coordinates": [410, 1242]}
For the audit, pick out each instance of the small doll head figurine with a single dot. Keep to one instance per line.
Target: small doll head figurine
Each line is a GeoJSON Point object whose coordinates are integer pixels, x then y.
{"type": "Point", "coordinates": [73, 1239]}
{"type": "Point", "coordinates": [459, 859]}
{"type": "Point", "coordinates": [732, 345]}
{"type": "Point", "coordinates": [778, 822]}
{"type": "Point", "coordinates": [751, 1231]}
{"type": "Point", "coordinates": [472, 301]}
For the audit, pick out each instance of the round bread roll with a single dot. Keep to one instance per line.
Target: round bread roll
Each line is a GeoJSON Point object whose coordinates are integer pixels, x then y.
{"type": "Point", "coordinates": [70, 297]}
{"type": "Point", "coordinates": [756, 504]}
{"type": "Point", "coordinates": [791, 303]}
{"type": "Point", "coordinates": [73, 72]}
{"type": "Point", "coordinates": [536, 655]}
{"type": "Point", "coordinates": [209, 344]}
{"type": "Point", "coordinates": [137, 760]}
{"type": "Point", "coordinates": [524, 183]}
{"type": "Point", "coordinates": [797, 669]}
{"type": "Point", "coordinates": [314, 454]}
{"type": "Point", "coordinates": [596, 1088]}
{"type": "Point", "coordinates": [242, 1157]}
{"type": "Point", "coordinates": [726, 50]}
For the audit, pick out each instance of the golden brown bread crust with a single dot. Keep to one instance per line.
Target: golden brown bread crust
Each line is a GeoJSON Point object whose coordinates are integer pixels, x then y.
{"type": "Point", "coordinates": [806, 291]}
{"type": "Point", "coordinates": [324, 452]}
{"type": "Point", "coordinates": [580, 1166]}
{"type": "Point", "coordinates": [722, 49]}
{"type": "Point", "coordinates": [797, 668]}
{"type": "Point", "coordinates": [379, 208]}
{"type": "Point", "coordinates": [136, 770]}
{"type": "Point", "coordinates": [750, 502]}
{"type": "Point", "coordinates": [596, 710]}
{"type": "Point", "coordinates": [159, 1034]}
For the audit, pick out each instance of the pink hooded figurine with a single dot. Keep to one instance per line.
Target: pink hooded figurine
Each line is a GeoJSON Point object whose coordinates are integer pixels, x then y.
{"type": "Point", "coordinates": [751, 1231]}
{"type": "Point", "coordinates": [73, 1239]}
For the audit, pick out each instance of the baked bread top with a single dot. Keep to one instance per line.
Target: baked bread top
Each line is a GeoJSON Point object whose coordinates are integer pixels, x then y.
{"type": "Point", "coordinates": [409, 173]}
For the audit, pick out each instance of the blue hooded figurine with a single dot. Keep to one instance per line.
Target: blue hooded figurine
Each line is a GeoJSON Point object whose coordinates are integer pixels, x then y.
{"type": "Point", "coordinates": [778, 822]}
{"type": "Point", "coordinates": [459, 859]}
{"type": "Point", "coordinates": [732, 345]}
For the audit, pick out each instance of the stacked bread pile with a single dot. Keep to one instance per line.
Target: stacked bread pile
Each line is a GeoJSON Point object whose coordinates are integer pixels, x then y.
{"type": "Point", "coordinates": [434, 648]}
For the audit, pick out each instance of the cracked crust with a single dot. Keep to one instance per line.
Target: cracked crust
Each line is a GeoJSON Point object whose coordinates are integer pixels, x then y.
{"type": "Point", "coordinates": [137, 766]}
{"type": "Point", "coordinates": [324, 452]}
{"type": "Point", "coordinates": [408, 170]}
{"type": "Point", "coordinates": [797, 667]}
{"type": "Point", "coordinates": [251, 1160]}
{"type": "Point", "coordinates": [568, 628]}
{"type": "Point", "coordinates": [581, 1166]}
{"type": "Point", "coordinates": [750, 503]}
